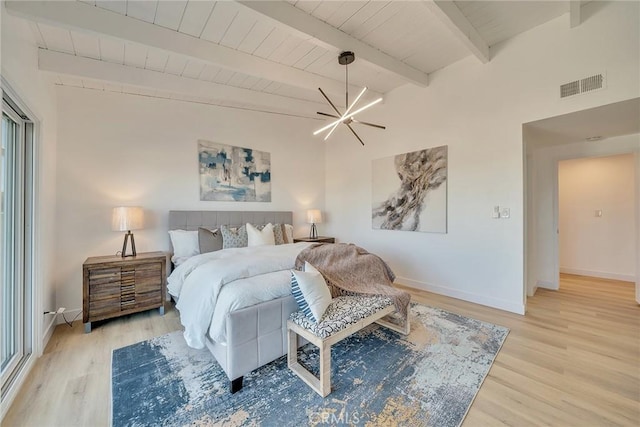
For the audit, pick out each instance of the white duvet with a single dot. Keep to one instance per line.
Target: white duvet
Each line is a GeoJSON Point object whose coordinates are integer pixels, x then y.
{"type": "Point", "coordinates": [208, 286]}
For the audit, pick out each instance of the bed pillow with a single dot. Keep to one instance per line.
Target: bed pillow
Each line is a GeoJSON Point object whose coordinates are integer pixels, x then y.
{"type": "Point", "coordinates": [209, 240]}
{"type": "Point", "coordinates": [185, 245]}
{"type": "Point", "coordinates": [310, 292]}
{"type": "Point", "coordinates": [288, 233]}
{"type": "Point", "coordinates": [257, 237]}
{"type": "Point", "coordinates": [234, 238]}
{"type": "Point", "coordinates": [278, 234]}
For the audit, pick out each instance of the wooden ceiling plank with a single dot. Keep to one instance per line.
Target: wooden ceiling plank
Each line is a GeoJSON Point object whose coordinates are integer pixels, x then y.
{"type": "Point", "coordinates": [117, 6]}
{"type": "Point", "coordinates": [347, 10]}
{"type": "Point", "coordinates": [111, 50]}
{"type": "Point", "coordinates": [379, 18]}
{"type": "Point", "coordinates": [57, 38]}
{"type": "Point", "coordinates": [237, 32]}
{"type": "Point", "coordinates": [169, 14]}
{"type": "Point", "coordinates": [193, 69]}
{"type": "Point", "coordinates": [35, 30]}
{"type": "Point", "coordinates": [362, 16]}
{"type": "Point", "coordinates": [302, 23]}
{"type": "Point", "coordinates": [86, 45]}
{"type": "Point", "coordinates": [195, 17]}
{"type": "Point", "coordinates": [326, 9]}
{"type": "Point", "coordinates": [310, 57]}
{"type": "Point", "coordinates": [298, 53]}
{"type": "Point", "coordinates": [144, 10]}
{"type": "Point", "coordinates": [74, 68]}
{"type": "Point", "coordinates": [459, 25]}
{"type": "Point", "coordinates": [222, 17]}
{"type": "Point", "coordinates": [254, 38]}
{"type": "Point", "coordinates": [83, 17]}
{"type": "Point", "coordinates": [271, 43]}
{"type": "Point", "coordinates": [286, 47]}
{"type": "Point", "coordinates": [156, 60]}
{"type": "Point", "coordinates": [135, 55]}
{"type": "Point", "coordinates": [209, 72]}
{"type": "Point", "coordinates": [175, 65]}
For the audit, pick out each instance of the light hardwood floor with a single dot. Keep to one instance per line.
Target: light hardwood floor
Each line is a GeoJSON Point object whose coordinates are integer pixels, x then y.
{"type": "Point", "coordinates": [573, 360]}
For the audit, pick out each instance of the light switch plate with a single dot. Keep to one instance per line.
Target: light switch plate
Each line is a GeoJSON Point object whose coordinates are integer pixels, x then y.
{"type": "Point", "coordinates": [496, 212]}
{"type": "Point", "coordinates": [505, 213]}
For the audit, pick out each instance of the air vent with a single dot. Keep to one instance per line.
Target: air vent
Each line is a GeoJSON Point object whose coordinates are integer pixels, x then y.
{"type": "Point", "coordinates": [569, 89]}
{"type": "Point", "coordinates": [591, 83]}
{"type": "Point", "coordinates": [588, 84]}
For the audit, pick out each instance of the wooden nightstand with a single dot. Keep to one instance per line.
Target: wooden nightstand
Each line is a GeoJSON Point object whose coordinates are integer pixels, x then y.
{"type": "Point", "coordinates": [319, 239]}
{"type": "Point", "coordinates": [114, 286]}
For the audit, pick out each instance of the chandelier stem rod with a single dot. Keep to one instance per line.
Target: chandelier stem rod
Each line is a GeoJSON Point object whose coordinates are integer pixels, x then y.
{"type": "Point", "coordinates": [346, 84]}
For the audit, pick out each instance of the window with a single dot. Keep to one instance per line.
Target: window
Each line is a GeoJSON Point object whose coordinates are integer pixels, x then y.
{"type": "Point", "coordinates": [16, 242]}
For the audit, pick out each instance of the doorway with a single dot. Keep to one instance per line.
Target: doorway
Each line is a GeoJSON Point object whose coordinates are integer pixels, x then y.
{"type": "Point", "coordinates": [596, 217]}
{"type": "Point", "coordinates": [608, 130]}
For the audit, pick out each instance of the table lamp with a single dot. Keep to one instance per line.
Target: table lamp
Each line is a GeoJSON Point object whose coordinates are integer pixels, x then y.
{"type": "Point", "coordinates": [314, 216]}
{"type": "Point", "coordinates": [127, 218]}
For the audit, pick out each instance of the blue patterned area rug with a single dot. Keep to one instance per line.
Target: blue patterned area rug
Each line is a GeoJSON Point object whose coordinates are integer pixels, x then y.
{"type": "Point", "coordinates": [379, 377]}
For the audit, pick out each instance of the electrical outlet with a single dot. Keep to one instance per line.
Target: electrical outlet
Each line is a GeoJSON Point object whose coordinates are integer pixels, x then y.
{"type": "Point", "coordinates": [61, 310]}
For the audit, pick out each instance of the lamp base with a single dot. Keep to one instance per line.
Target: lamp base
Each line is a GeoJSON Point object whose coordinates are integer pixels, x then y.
{"type": "Point", "coordinates": [128, 235]}
{"type": "Point", "coordinates": [313, 233]}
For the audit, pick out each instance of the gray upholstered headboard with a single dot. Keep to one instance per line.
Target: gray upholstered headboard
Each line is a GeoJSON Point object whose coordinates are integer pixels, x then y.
{"type": "Point", "coordinates": [191, 220]}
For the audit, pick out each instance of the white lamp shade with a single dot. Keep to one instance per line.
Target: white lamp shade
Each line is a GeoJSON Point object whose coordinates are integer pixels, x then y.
{"type": "Point", "coordinates": [127, 218]}
{"type": "Point", "coordinates": [314, 216]}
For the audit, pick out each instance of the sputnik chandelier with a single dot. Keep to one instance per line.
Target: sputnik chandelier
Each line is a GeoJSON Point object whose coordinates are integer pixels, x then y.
{"type": "Point", "coordinates": [348, 117]}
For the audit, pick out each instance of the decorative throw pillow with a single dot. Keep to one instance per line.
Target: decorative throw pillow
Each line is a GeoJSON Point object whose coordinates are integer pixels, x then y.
{"type": "Point", "coordinates": [234, 238]}
{"type": "Point", "coordinates": [288, 233]}
{"type": "Point", "coordinates": [310, 292]}
{"type": "Point", "coordinates": [278, 233]}
{"type": "Point", "coordinates": [185, 245]}
{"type": "Point", "coordinates": [257, 237]}
{"type": "Point", "coordinates": [209, 240]}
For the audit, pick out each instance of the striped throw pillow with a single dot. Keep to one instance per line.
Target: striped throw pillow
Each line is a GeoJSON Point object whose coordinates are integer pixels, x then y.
{"type": "Point", "coordinates": [311, 292]}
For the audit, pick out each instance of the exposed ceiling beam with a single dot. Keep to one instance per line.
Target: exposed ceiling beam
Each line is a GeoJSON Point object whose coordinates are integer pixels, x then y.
{"type": "Point", "coordinates": [285, 14]}
{"type": "Point", "coordinates": [575, 18]}
{"type": "Point", "coordinates": [83, 17]}
{"type": "Point", "coordinates": [459, 25]}
{"type": "Point", "coordinates": [64, 63]}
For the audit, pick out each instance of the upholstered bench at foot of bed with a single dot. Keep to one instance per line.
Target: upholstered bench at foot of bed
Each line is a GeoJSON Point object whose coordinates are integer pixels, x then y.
{"type": "Point", "coordinates": [344, 316]}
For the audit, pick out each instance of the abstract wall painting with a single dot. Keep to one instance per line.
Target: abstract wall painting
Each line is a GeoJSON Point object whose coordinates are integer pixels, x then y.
{"type": "Point", "coordinates": [233, 174]}
{"type": "Point", "coordinates": [410, 191]}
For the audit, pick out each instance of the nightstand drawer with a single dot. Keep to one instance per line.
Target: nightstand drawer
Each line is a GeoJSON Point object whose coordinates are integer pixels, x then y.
{"type": "Point", "coordinates": [104, 308]}
{"type": "Point", "coordinates": [104, 275]}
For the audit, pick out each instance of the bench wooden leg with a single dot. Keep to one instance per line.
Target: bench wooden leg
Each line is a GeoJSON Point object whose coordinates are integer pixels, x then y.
{"type": "Point", "coordinates": [325, 370]}
{"type": "Point", "coordinates": [321, 384]}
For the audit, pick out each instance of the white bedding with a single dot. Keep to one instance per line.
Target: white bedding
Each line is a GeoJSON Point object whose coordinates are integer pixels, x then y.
{"type": "Point", "coordinates": [208, 286]}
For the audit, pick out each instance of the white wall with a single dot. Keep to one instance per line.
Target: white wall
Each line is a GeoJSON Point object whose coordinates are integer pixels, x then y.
{"type": "Point", "coordinates": [20, 71]}
{"type": "Point", "coordinates": [591, 245]}
{"type": "Point", "coordinates": [116, 149]}
{"type": "Point", "coordinates": [545, 255]}
{"type": "Point", "coordinates": [478, 111]}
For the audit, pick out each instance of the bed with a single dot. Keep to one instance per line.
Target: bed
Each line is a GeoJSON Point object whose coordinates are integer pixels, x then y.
{"type": "Point", "coordinates": [254, 335]}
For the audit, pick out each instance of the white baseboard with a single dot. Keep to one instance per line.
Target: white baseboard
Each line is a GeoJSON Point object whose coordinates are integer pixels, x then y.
{"type": "Point", "coordinates": [547, 285]}
{"type": "Point", "coordinates": [498, 303]}
{"type": "Point", "coordinates": [599, 274]}
{"type": "Point", "coordinates": [48, 332]}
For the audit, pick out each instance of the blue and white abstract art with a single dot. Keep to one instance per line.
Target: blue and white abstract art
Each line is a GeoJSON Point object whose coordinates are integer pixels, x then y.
{"type": "Point", "coordinates": [233, 174]}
